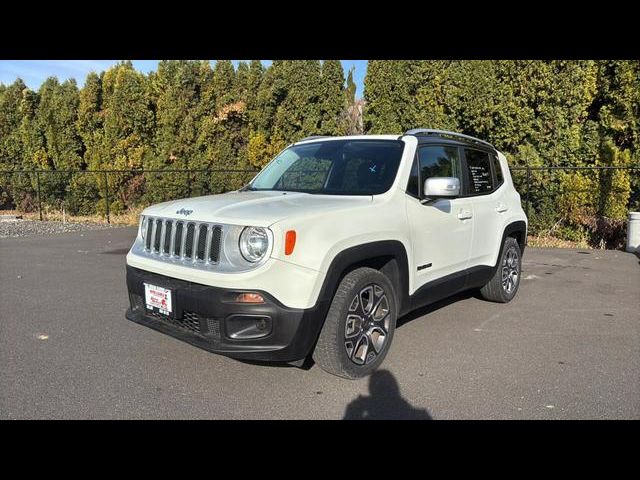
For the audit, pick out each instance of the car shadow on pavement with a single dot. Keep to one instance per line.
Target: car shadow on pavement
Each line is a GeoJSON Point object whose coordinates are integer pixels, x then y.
{"type": "Point", "coordinates": [420, 312]}
{"type": "Point", "coordinates": [308, 362]}
{"type": "Point", "coordinates": [384, 402]}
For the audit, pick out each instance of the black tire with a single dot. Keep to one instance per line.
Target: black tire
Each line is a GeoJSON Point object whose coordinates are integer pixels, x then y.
{"type": "Point", "coordinates": [504, 284]}
{"type": "Point", "coordinates": [342, 327]}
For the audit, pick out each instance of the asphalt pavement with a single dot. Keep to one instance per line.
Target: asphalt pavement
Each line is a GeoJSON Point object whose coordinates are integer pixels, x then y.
{"type": "Point", "coordinates": [567, 347]}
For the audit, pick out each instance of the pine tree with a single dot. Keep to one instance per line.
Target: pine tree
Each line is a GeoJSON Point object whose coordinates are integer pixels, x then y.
{"type": "Point", "coordinates": [390, 90]}
{"type": "Point", "coordinates": [10, 119]}
{"type": "Point", "coordinates": [299, 113]}
{"type": "Point", "coordinates": [31, 136]}
{"type": "Point", "coordinates": [351, 117]}
{"type": "Point", "coordinates": [332, 103]}
{"type": "Point", "coordinates": [176, 96]}
{"type": "Point", "coordinates": [84, 192]}
{"type": "Point", "coordinates": [271, 93]}
{"type": "Point", "coordinates": [128, 132]}
{"type": "Point", "coordinates": [16, 189]}
{"type": "Point", "coordinates": [241, 83]}
{"type": "Point", "coordinates": [57, 115]}
{"type": "Point", "coordinates": [251, 86]}
{"type": "Point", "coordinates": [62, 149]}
{"type": "Point", "coordinates": [224, 133]}
{"type": "Point", "coordinates": [223, 83]}
{"type": "Point", "coordinates": [90, 119]}
{"type": "Point", "coordinates": [350, 90]}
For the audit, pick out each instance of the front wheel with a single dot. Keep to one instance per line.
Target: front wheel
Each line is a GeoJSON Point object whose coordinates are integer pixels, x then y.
{"type": "Point", "coordinates": [359, 326]}
{"type": "Point", "coordinates": [504, 284]}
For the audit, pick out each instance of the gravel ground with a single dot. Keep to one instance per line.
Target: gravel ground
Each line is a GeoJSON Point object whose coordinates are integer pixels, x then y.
{"type": "Point", "coordinates": [28, 228]}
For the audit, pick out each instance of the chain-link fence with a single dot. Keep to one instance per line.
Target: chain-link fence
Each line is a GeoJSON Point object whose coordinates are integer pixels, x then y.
{"type": "Point", "coordinates": [580, 204]}
{"type": "Point", "coordinates": [110, 191]}
{"type": "Point", "coordinates": [587, 205]}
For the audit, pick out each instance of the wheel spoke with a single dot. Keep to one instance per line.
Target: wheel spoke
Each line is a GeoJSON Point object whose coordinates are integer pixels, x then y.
{"type": "Point", "coordinates": [377, 336]}
{"type": "Point", "coordinates": [381, 310]}
{"type": "Point", "coordinates": [355, 303]}
{"type": "Point", "coordinates": [361, 349]}
{"type": "Point", "coordinates": [353, 326]}
{"type": "Point", "coordinates": [367, 299]}
{"type": "Point", "coordinates": [349, 346]}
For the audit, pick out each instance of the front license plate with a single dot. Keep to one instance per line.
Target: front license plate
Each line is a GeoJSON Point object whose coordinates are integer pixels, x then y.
{"type": "Point", "coordinates": [158, 298]}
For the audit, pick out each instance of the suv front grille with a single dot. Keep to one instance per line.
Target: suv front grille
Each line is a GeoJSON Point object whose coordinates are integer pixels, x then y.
{"type": "Point", "coordinates": [193, 242]}
{"type": "Point", "coordinates": [177, 249]}
{"type": "Point", "coordinates": [188, 245]}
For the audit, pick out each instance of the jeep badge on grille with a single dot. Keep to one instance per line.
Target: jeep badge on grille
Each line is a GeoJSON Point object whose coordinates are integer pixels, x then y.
{"type": "Point", "coordinates": [184, 212]}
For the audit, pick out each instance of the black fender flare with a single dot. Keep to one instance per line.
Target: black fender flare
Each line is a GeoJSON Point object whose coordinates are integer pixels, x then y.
{"type": "Point", "coordinates": [351, 257]}
{"type": "Point", "coordinates": [519, 226]}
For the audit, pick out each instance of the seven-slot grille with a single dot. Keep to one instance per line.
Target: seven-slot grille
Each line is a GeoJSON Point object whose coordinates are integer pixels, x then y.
{"type": "Point", "coordinates": [182, 239]}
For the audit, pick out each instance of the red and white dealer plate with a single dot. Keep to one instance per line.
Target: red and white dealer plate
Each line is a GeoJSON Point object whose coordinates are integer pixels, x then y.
{"type": "Point", "coordinates": [158, 297]}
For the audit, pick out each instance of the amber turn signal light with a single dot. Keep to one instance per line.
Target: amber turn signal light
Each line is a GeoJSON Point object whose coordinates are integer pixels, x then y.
{"type": "Point", "coordinates": [289, 242]}
{"type": "Point", "coordinates": [249, 297]}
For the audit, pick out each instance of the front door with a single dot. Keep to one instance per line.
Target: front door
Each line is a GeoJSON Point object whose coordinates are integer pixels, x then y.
{"type": "Point", "coordinates": [441, 230]}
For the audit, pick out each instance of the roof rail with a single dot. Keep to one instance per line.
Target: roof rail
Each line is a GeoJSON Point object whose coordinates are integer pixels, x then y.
{"type": "Point", "coordinates": [445, 133]}
{"type": "Point", "coordinates": [313, 137]}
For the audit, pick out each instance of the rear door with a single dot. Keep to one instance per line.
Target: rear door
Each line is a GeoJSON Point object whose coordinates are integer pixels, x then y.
{"type": "Point", "coordinates": [482, 186]}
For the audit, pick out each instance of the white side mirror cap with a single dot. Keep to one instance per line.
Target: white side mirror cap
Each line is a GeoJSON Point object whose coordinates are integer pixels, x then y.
{"type": "Point", "coordinates": [436, 187]}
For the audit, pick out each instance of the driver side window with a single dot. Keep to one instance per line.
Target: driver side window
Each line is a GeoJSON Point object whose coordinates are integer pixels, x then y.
{"type": "Point", "coordinates": [439, 161]}
{"type": "Point", "coordinates": [433, 161]}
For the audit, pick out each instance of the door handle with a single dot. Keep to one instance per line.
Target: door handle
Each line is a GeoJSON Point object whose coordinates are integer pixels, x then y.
{"type": "Point", "coordinates": [465, 214]}
{"type": "Point", "coordinates": [501, 208]}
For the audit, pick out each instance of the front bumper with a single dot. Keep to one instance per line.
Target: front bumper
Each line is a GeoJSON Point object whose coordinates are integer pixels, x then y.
{"type": "Point", "coordinates": [208, 317]}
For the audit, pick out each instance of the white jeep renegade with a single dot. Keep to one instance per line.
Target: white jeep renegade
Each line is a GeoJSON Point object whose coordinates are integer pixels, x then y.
{"type": "Point", "coordinates": [332, 242]}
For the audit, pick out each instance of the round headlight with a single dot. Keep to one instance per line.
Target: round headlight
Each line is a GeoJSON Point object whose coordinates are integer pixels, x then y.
{"type": "Point", "coordinates": [143, 225]}
{"type": "Point", "coordinates": [254, 243]}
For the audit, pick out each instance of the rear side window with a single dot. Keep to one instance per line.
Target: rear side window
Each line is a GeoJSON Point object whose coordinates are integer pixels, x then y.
{"type": "Point", "coordinates": [498, 170]}
{"type": "Point", "coordinates": [479, 171]}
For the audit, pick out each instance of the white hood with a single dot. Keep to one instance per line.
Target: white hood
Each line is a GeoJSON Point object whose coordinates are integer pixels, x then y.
{"type": "Point", "coordinates": [254, 208]}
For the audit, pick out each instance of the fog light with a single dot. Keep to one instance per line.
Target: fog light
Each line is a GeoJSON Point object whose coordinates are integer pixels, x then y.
{"type": "Point", "coordinates": [262, 324]}
{"type": "Point", "coordinates": [246, 327]}
{"type": "Point", "coordinates": [249, 297]}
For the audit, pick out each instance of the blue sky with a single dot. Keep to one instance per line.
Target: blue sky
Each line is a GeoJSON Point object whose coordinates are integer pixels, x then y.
{"type": "Point", "coordinates": [34, 72]}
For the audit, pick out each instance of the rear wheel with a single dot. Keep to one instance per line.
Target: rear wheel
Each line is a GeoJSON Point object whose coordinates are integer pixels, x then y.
{"type": "Point", "coordinates": [359, 326]}
{"type": "Point", "coordinates": [504, 284]}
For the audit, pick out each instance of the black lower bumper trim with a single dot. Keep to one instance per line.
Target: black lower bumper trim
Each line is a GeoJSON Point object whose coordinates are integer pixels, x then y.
{"type": "Point", "coordinates": [202, 314]}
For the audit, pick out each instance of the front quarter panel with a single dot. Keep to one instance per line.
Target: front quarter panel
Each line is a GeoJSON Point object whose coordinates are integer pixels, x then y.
{"type": "Point", "coordinates": [321, 238]}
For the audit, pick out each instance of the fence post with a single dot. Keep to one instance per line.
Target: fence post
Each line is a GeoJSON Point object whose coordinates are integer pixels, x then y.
{"type": "Point", "coordinates": [526, 208]}
{"type": "Point", "coordinates": [106, 196]}
{"type": "Point", "coordinates": [38, 193]}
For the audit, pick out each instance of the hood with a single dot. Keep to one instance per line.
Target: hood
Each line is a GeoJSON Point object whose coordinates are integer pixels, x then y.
{"type": "Point", "coordinates": [253, 208]}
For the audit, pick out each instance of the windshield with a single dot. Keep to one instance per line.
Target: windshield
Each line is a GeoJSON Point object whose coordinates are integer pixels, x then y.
{"type": "Point", "coordinates": [335, 167]}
